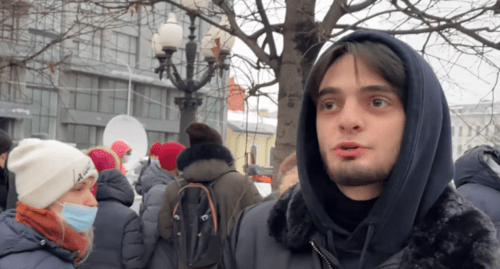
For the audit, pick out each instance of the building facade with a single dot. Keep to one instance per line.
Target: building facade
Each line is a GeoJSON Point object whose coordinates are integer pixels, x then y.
{"type": "Point", "coordinates": [473, 125]}
{"type": "Point", "coordinates": [251, 135]}
{"type": "Point", "coordinates": [73, 88]}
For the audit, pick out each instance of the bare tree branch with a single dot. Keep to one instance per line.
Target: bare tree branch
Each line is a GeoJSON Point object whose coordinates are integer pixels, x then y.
{"type": "Point", "coordinates": [267, 27]}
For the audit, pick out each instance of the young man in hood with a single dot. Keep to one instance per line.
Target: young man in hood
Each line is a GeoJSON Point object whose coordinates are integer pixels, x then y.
{"type": "Point", "coordinates": [374, 158]}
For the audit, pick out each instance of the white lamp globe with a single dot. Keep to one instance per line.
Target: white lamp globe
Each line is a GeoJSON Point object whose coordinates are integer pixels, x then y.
{"type": "Point", "coordinates": [226, 39]}
{"type": "Point", "coordinates": [157, 47]}
{"type": "Point", "coordinates": [194, 5]}
{"type": "Point", "coordinates": [207, 43]}
{"type": "Point", "coordinates": [170, 32]}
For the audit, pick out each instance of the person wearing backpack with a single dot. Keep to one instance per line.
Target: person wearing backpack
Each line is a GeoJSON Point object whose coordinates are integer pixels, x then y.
{"type": "Point", "coordinates": [158, 253]}
{"type": "Point", "coordinates": [211, 165]}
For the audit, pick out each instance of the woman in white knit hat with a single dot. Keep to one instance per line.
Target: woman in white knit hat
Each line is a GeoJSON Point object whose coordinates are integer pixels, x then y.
{"type": "Point", "coordinates": [52, 224]}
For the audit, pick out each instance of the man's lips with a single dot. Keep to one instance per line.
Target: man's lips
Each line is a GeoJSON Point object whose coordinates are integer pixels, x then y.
{"type": "Point", "coordinates": [348, 149]}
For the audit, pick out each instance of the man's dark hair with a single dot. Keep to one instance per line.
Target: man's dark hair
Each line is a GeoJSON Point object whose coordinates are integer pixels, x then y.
{"type": "Point", "coordinates": [380, 58]}
{"type": "Point", "coordinates": [5, 142]}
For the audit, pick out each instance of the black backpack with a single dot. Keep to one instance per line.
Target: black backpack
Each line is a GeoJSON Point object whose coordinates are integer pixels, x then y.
{"type": "Point", "coordinates": [196, 232]}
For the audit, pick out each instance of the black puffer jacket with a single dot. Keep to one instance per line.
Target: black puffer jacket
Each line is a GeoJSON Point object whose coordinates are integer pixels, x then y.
{"type": "Point", "coordinates": [118, 241]}
{"type": "Point", "coordinates": [417, 221]}
{"type": "Point", "coordinates": [477, 179]}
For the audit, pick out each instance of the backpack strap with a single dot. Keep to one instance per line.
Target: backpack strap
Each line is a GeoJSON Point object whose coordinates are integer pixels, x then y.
{"type": "Point", "coordinates": [207, 193]}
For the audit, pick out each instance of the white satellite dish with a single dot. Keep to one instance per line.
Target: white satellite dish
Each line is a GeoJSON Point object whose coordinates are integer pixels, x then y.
{"type": "Point", "coordinates": [131, 130]}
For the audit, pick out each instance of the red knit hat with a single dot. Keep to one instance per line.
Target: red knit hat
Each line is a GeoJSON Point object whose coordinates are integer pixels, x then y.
{"type": "Point", "coordinates": [103, 158]}
{"type": "Point", "coordinates": [168, 155]}
{"type": "Point", "coordinates": [155, 149]}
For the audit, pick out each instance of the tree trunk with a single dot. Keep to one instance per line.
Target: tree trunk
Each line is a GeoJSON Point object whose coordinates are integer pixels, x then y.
{"type": "Point", "coordinates": [299, 35]}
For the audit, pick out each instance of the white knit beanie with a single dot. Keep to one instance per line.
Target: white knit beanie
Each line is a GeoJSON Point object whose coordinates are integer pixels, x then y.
{"type": "Point", "coordinates": [46, 169]}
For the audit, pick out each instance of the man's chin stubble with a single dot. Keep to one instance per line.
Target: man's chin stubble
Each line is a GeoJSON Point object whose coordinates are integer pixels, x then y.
{"type": "Point", "coordinates": [349, 174]}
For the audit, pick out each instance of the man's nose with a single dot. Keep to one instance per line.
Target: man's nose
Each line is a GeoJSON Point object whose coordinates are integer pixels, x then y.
{"type": "Point", "coordinates": [351, 117]}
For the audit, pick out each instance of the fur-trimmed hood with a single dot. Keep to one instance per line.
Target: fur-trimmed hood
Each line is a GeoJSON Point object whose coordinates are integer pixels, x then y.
{"type": "Point", "coordinates": [204, 162]}
{"type": "Point", "coordinates": [453, 234]}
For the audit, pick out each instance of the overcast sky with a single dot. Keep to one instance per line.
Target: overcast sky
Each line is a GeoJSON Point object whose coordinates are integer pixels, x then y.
{"type": "Point", "coordinates": [465, 86]}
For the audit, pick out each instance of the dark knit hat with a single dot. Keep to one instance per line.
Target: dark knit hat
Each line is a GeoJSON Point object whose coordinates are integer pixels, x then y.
{"type": "Point", "coordinates": [5, 142]}
{"type": "Point", "coordinates": [202, 133]}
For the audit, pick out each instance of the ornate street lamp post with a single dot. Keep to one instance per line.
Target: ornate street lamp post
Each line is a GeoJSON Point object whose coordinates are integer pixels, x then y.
{"type": "Point", "coordinates": [165, 44]}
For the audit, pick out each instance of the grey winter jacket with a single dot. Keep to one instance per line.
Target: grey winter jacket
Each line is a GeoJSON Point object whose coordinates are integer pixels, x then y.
{"type": "Point", "coordinates": [24, 248]}
{"type": "Point", "coordinates": [151, 176]}
{"type": "Point", "coordinates": [117, 228]}
{"type": "Point", "coordinates": [157, 251]}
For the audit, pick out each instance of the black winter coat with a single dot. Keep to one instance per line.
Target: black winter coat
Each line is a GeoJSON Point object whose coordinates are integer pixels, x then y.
{"type": "Point", "coordinates": [477, 179]}
{"type": "Point", "coordinates": [118, 241]}
{"type": "Point", "coordinates": [454, 234]}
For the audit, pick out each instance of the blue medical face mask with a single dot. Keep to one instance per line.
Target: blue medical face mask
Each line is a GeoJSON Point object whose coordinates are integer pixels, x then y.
{"type": "Point", "coordinates": [79, 217]}
{"type": "Point", "coordinates": [155, 161]}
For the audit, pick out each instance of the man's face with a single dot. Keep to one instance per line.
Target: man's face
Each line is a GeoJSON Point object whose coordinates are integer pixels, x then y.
{"type": "Point", "coordinates": [360, 124]}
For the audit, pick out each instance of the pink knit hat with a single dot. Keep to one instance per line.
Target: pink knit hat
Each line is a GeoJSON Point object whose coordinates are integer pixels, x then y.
{"type": "Point", "coordinates": [155, 149]}
{"type": "Point", "coordinates": [168, 155]}
{"type": "Point", "coordinates": [104, 158]}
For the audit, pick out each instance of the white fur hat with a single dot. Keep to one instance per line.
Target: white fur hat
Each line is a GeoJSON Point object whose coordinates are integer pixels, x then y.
{"type": "Point", "coordinates": [46, 169]}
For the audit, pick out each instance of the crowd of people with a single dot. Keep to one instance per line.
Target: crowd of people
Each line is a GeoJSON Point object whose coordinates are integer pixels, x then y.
{"type": "Point", "coordinates": [369, 186]}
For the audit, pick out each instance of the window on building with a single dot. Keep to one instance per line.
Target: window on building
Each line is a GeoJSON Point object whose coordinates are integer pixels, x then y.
{"type": "Point", "coordinates": [469, 133]}
{"type": "Point", "coordinates": [10, 18]}
{"type": "Point", "coordinates": [487, 129]}
{"type": "Point", "coordinates": [123, 48]}
{"type": "Point", "coordinates": [150, 102]}
{"type": "Point", "coordinates": [84, 92]}
{"type": "Point", "coordinates": [459, 149]}
{"type": "Point", "coordinates": [39, 71]}
{"type": "Point", "coordinates": [478, 130]}
{"type": "Point", "coordinates": [43, 111]}
{"type": "Point", "coordinates": [11, 88]}
{"type": "Point", "coordinates": [453, 131]}
{"type": "Point", "coordinates": [113, 96]}
{"type": "Point", "coordinates": [84, 136]}
{"type": "Point", "coordinates": [460, 131]}
{"type": "Point", "coordinates": [160, 137]}
{"type": "Point", "coordinates": [88, 44]}
{"type": "Point", "coordinates": [47, 16]}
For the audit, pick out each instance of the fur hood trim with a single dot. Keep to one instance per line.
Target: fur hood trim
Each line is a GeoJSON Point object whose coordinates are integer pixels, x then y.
{"type": "Point", "coordinates": [453, 234]}
{"type": "Point", "coordinates": [204, 162]}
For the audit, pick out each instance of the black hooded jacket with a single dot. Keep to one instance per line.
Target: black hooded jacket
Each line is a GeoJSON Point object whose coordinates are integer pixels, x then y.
{"type": "Point", "coordinates": [410, 222]}
{"type": "Point", "coordinates": [477, 179]}
{"type": "Point", "coordinates": [118, 240]}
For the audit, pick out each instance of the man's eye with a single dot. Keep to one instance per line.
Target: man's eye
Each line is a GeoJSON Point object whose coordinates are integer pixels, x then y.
{"type": "Point", "coordinates": [327, 105]}
{"type": "Point", "coordinates": [379, 102]}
